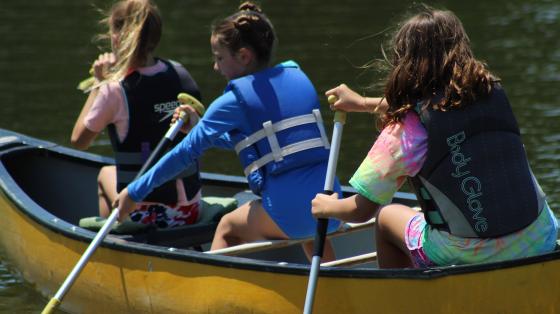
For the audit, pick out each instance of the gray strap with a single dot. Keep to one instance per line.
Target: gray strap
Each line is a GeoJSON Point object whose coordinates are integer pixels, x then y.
{"type": "Point", "coordinates": [285, 151]}
{"type": "Point", "coordinates": [126, 176]}
{"type": "Point", "coordinates": [450, 214]}
{"type": "Point", "coordinates": [321, 126]}
{"type": "Point", "coordinates": [272, 141]}
{"type": "Point", "coordinates": [276, 127]}
{"type": "Point", "coordinates": [129, 158]}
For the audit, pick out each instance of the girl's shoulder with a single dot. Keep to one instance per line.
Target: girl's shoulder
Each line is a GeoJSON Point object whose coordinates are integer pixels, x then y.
{"type": "Point", "coordinates": [411, 125]}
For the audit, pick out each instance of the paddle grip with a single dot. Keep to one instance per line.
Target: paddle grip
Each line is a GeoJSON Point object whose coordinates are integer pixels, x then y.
{"type": "Point", "coordinates": [321, 234]}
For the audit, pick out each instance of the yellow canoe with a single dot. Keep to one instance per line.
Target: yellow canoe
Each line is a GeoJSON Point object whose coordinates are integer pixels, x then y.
{"type": "Point", "coordinates": [46, 189]}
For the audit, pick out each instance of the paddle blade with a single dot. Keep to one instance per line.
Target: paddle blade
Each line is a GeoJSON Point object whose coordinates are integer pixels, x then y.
{"type": "Point", "coordinates": [187, 99]}
{"type": "Point", "coordinates": [86, 84]}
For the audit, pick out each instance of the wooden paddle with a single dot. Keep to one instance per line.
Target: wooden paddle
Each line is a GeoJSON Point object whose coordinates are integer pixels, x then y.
{"type": "Point", "coordinates": [155, 155]}
{"type": "Point", "coordinates": [322, 223]}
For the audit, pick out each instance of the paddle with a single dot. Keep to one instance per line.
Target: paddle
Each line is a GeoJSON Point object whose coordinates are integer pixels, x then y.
{"type": "Point", "coordinates": [322, 223]}
{"type": "Point", "coordinates": [158, 151]}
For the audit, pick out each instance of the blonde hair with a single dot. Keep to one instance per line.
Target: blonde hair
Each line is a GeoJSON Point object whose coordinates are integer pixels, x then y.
{"type": "Point", "coordinates": [138, 24]}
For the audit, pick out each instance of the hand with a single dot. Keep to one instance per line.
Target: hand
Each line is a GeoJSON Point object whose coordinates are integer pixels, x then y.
{"type": "Point", "coordinates": [102, 65]}
{"type": "Point", "coordinates": [348, 100]}
{"type": "Point", "coordinates": [125, 204]}
{"type": "Point", "coordinates": [323, 205]}
{"type": "Point", "coordinates": [190, 121]}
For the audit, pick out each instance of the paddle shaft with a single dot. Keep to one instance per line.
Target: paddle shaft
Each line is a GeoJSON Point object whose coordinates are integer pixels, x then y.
{"type": "Point", "coordinates": [154, 156]}
{"type": "Point", "coordinates": [322, 223]}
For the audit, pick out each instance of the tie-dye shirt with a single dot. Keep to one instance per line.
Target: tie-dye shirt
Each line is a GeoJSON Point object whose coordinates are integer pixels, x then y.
{"type": "Point", "coordinates": [399, 152]}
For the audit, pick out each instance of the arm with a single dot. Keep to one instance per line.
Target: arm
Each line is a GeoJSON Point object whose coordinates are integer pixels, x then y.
{"type": "Point", "coordinates": [355, 208]}
{"type": "Point", "coordinates": [217, 121]}
{"type": "Point", "coordinates": [399, 152]}
{"type": "Point", "coordinates": [82, 137]}
{"type": "Point", "coordinates": [350, 101]}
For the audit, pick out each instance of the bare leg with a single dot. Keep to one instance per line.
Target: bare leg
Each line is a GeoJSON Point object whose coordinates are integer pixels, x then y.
{"type": "Point", "coordinates": [390, 236]}
{"type": "Point", "coordinates": [328, 252]}
{"type": "Point", "coordinates": [248, 223]}
{"type": "Point", "coordinates": [106, 189]}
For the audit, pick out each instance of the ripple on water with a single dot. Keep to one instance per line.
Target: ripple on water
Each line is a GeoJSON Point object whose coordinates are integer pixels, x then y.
{"type": "Point", "coordinates": [16, 296]}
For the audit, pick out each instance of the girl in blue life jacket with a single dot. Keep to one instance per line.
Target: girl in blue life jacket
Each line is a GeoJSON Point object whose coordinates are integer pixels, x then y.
{"type": "Point", "coordinates": [270, 116]}
{"type": "Point", "coordinates": [449, 129]}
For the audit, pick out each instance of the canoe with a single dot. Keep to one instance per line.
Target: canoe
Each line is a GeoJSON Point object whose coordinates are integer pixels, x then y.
{"type": "Point", "coordinates": [47, 188]}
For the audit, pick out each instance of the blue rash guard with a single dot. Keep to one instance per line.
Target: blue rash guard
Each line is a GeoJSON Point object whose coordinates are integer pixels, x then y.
{"type": "Point", "coordinates": [286, 197]}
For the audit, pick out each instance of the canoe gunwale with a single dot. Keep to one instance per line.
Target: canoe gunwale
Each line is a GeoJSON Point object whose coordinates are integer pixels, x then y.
{"type": "Point", "coordinates": [41, 216]}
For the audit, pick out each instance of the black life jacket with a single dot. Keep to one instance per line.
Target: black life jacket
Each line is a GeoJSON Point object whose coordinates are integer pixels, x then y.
{"type": "Point", "coordinates": [476, 180]}
{"type": "Point", "coordinates": [151, 101]}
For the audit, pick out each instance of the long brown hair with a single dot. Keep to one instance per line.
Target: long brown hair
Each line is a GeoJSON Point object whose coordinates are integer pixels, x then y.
{"type": "Point", "coordinates": [247, 28]}
{"type": "Point", "coordinates": [431, 56]}
{"type": "Point", "coordinates": [139, 26]}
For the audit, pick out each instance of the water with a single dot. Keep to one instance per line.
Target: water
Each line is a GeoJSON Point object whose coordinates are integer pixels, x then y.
{"type": "Point", "coordinates": [47, 49]}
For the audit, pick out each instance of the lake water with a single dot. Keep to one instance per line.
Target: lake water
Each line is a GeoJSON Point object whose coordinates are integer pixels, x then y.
{"type": "Point", "coordinates": [47, 49]}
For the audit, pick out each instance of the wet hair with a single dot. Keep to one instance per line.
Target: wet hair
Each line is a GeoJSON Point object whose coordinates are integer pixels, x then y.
{"type": "Point", "coordinates": [139, 26]}
{"type": "Point", "coordinates": [432, 62]}
{"type": "Point", "coordinates": [248, 28]}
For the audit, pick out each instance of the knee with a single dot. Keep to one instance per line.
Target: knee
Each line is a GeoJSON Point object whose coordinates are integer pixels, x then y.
{"type": "Point", "coordinates": [388, 216]}
{"type": "Point", "coordinates": [104, 173]}
{"type": "Point", "coordinates": [381, 218]}
{"type": "Point", "coordinates": [225, 226]}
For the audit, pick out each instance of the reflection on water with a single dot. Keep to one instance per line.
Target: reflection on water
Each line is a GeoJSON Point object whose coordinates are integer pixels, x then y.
{"type": "Point", "coordinates": [47, 50]}
{"type": "Point", "coordinates": [15, 295]}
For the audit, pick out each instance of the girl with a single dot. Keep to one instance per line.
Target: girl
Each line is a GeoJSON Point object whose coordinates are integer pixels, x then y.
{"type": "Point", "coordinates": [270, 116]}
{"type": "Point", "coordinates": [449, 129]}
{"type": "Point", "coordinates": [135, 96]}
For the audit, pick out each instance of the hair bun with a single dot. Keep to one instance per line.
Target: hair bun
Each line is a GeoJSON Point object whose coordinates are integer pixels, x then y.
{"type": "Point", "coordinates": [244, 21]}
{"type": "Point", "coordinates": [249, 6]}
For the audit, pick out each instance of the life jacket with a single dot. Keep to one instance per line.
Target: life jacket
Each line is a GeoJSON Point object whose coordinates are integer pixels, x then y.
{"type": "Point", "coordinates": [151, 101]}
{"type": "Point", "coordinates": [286, 128]}
{"type": "Point", "coordinates": [476, 180]}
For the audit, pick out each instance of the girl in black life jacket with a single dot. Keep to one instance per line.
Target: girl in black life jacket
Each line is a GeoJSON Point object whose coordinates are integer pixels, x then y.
{"type": "Point", "coordinates": [134, 96]}
{"type": "Point", "coordinates": [448, 128]}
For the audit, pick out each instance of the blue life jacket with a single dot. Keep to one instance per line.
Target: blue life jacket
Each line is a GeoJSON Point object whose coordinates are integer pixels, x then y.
{"type": "Point", "coordinates": [476, 180]}
{"type": "Point", "coordinates": [151, 101]}
{"type": "Point", "coordinates": [287, 130]}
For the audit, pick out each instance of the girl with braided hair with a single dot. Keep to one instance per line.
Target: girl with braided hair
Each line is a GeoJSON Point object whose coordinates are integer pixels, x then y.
{"type": "Point", "coordinates": [270, 116]}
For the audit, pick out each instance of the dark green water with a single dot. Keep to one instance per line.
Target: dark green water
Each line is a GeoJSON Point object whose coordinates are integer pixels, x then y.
{"type": "Point", "coordinates": [47, 49]}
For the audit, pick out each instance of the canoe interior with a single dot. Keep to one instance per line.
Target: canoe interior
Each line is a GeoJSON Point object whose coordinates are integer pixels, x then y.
{"type": "Point", "coordinates": [65, 185]}
{"type": "Point", "coordinates": [62, 185]}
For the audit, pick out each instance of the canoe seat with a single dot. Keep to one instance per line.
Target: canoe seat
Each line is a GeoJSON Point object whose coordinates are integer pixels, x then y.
{"type": "Point", "coordinates": [213, 208]}
{"type": "Point", "coordinates": [257, 246]}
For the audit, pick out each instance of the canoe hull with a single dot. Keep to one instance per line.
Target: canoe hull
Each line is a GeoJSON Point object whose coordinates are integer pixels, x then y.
{"type": "Point", "coordinates": [127, 277]}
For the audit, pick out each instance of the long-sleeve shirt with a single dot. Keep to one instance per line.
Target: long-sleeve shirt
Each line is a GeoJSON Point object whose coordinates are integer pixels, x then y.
{"type": "Point", "coordinates": [212, 130]}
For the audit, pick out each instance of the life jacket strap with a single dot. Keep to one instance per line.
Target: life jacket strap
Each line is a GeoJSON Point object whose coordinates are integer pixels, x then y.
{"type": "Point", "coordinates": [324, 137]}
{"type": "Point", "coordinates": [127, 158]}
{"type": "Point", "coordinates": [314, 117]}
{"type": "Point", "coordinates": [272, 141]}
{"type": "Point", "coordinates": [284, 151]}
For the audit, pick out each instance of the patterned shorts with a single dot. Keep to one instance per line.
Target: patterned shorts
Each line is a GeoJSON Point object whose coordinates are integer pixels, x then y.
{"type": "Point", "coordinates": [165, 216]}
{"type": "Point", "coordinates": [413, 238]}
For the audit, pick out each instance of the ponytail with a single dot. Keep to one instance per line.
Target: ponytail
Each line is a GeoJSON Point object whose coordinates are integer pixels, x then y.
{"type": "Point", "coordinates": [138, 25]}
